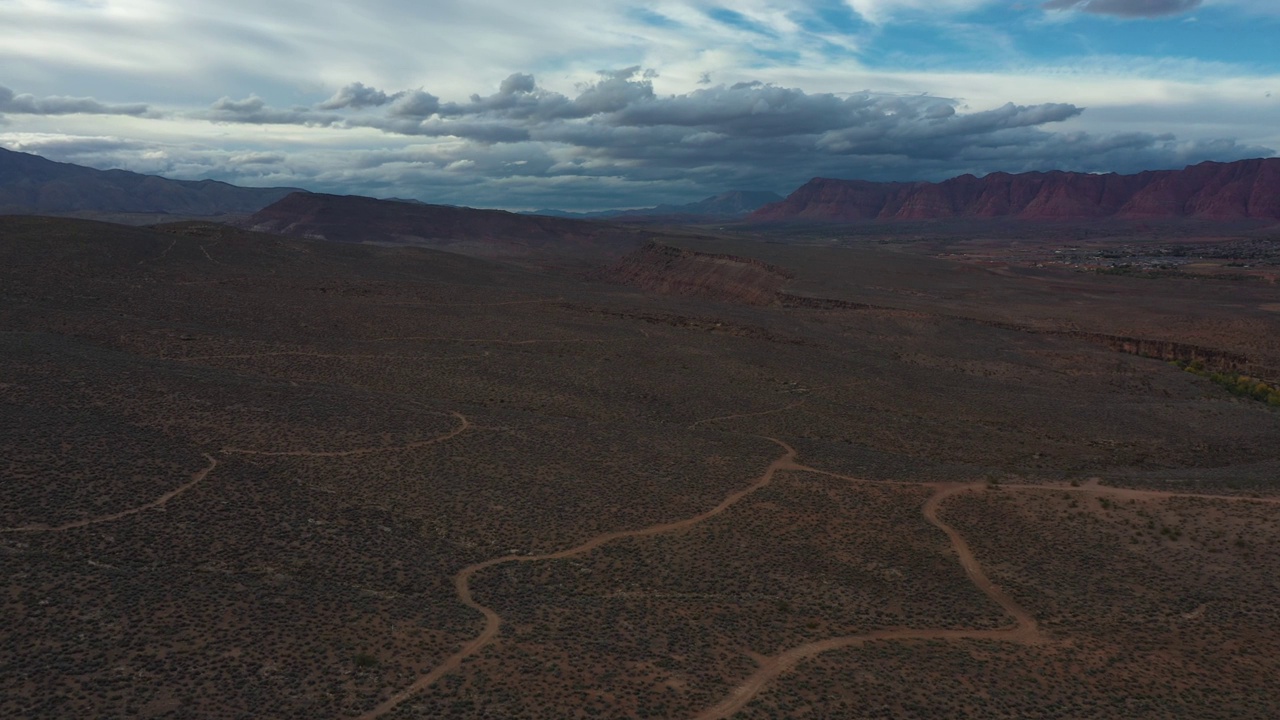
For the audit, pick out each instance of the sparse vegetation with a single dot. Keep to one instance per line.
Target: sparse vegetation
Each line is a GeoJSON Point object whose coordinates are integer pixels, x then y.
{"type": "Point", "coordinates": [1236, 384]}
{"type": "Point", "coordinates": [311, 572]}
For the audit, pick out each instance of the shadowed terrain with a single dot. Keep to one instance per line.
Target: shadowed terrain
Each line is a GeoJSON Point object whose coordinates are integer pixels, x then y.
{"type": "Point", "coordinates": [269, 476]}
{"type": "Point", "coordinates": [32, 184]}
{"type": "Point", "coordinates": [482, 233]}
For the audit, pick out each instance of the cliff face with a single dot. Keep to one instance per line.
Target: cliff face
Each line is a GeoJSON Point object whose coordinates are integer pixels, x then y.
{"type": "Point", "coordinates": [1223, 191]}
{"type": "Point", "coordinates": [1213, 359]}
{"type": "Point", "coordinates": [673, 271]}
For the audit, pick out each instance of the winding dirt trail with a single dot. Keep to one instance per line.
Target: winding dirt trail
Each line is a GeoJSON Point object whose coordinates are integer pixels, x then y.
{"type": "Point", "coordinates": [464, 425]}
{"type": "Point", "coordinates": [491, 341]}
{"type": "Point", "coordinates": [774, 667]}
{"type": "Point", "coordinates": [539, 301]}
{"type": "Point", "coordinates": [853, 479]}
{"type": "Point", "coordinates": [301, 353]}
{"type": "Point", "coordinates": [1089, 488]}
{"type": "Point", "coordinates": [493, 621]}
{"type": "Point", "coordinates": [1093, 488]}
{"type": "Point", "coordinates": [1023, 631]}
{"type": "Point", "coordinates": [161, 255]}
{"type": "Point", "coordinates": [206, 254]}
{"type": "Point", "coordinates": [158, 502]}
{"type": "Point", "coordinates": [747, 415]}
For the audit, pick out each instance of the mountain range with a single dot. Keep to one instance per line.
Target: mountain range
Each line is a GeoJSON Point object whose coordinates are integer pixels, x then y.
{"type": "Point", "coordinates": [1245, 189]}
{"type": "Point", "coordinates": [1210, 190]}
{"type": "Point", "coordinates": [732, 204]}
{"type": "Point", "coordinates": [33, 185]}
{"type": "Point", "coordinates": [468, 231]}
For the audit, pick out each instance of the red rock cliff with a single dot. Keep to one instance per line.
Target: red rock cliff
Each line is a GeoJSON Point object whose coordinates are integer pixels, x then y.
{"type": "Point", "coordinates": [1226, 191]}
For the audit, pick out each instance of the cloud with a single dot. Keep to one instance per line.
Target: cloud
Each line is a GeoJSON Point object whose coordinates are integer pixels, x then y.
{"type": "Point", "coordinates": [617, 141]}
{"type": "Point", "coordinates": [915, 129]}
{"type": "Point", "coordinates": [247, 107]}
{"type": "Point", "coordinates": [517, 83]}
{"type": "Point", "coordinates": [620, 108]}
{"type": "Point", "coordinates": [621, 113]}
{"type": "Point", "coordinates": [1126, 8]}
{"type": "Point", "coordinates": [627, 171]}
{"type": "Point", "coordinates": [257, 158]}
{"type": "Point", "coordinates": [57, 105]}
{"type": "Point", "coordinates": [357, 96]}
{"type": "Point", "coordinates": [617, 128]}
{"type": "Point", "coordinates": [881, 11]}
{"type": "Point", "coordinates": [64, 147]}
{"type": "Point", "coordinates": [254, 110]}
{"type": "Point", "coordinates": [415, 104]}
{"type": "Point", "coordinates": [1006, 90]}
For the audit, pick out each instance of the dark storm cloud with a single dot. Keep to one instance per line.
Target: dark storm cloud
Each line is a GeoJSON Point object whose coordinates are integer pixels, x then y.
{"type": "Point", "coordinates": [415, 104]}
{"type": "Point", "coordinates": [614, 92]}
{"type": "Point", "coordinates": [1126, 8]}
{"type": "Point", "coordinates": [517, 83]}
{"type": "Point", "coordinates": [615, 137]}
{"type": "Point", "coordinates": [56, 105]}
{"type": "Point", "coordinates": [518, 97]}
{"type": "Point", "coordinates": [620, 112]}
{"type": "Point", "coordinates": [618, 130]}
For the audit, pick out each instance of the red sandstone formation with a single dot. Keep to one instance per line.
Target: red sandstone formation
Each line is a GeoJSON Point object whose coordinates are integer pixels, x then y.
{"type": "Point", "coordinates": [1220, 191]}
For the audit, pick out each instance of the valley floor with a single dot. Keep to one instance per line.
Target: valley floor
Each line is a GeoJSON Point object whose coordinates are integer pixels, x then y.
{"type": "Point", "coordinates": [256, 477]}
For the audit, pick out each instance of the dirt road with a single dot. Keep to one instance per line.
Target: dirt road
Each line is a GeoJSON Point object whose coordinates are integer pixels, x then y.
{"type": "Point", "coordinates": [158, 502]}
{"type": "Point", "coordinates": [1094, 488]}
{"type": "Point", "coordinates": [1024, 629]}
{"type": "Point", "coordinates": [746, 415]}
{"type": "Point", "coordinates": [493, 621]}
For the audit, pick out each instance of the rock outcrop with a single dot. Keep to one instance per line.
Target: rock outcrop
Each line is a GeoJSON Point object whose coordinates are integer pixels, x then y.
{"type": "Point", "coordinates": [1217, 191]}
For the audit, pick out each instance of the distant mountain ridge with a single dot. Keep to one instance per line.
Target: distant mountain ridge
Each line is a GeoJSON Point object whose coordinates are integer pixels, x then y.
{"type": "Point", "coordinates": [468, 231]}
{"type": "Point", "coordinates": [33, 185]}
{"type": "Point", "coordinates": [1210, 190]}
{"type": "Point", "coordinates": [734, 203]}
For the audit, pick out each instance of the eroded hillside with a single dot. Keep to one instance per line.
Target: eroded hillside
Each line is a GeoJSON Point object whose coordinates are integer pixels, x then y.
{"type": "Point", "coordinates": [674, 271]}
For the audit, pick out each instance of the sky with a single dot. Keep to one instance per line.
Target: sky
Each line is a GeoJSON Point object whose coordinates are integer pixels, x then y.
{"type": "Point", "coordinates": [524, 104]}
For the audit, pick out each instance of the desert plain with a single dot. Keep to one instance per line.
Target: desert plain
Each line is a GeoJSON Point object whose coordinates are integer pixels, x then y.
{"type": "Point", "coordinates": [921, 470]}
